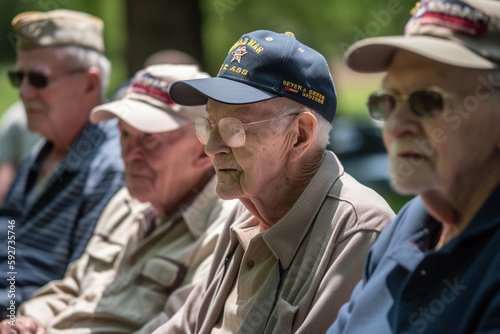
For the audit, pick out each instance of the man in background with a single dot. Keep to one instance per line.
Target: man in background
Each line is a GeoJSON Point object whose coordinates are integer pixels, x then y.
{"type": "Point", "coordinates": [59, 192]}
{"type": "Point", "coordinates": [155, 238]}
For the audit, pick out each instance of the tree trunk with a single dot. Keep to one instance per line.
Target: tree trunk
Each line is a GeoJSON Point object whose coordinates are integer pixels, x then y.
{"type": "Point", "coordinates": [155, 25]}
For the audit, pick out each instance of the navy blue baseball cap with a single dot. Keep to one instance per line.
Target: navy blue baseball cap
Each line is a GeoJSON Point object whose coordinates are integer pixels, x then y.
{"type": "Point", "coordinates": [263, 65]}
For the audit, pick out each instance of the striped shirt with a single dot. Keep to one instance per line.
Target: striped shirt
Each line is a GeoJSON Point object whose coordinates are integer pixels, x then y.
{"type": "Point", "coordinates": [53, 229]}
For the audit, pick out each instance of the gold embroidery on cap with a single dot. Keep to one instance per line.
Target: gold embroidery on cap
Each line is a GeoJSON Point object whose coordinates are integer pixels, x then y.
{"type": "Point", "coordinates": [414, 9]}
{"type": "Point", "coordinates": [238, 53]}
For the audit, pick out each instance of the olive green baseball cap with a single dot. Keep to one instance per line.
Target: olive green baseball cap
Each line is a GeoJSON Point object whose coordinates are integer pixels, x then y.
{"type": "Point", "coordinates": [58, 27]}
{"type": "Point", "coordinates": [454, 32]}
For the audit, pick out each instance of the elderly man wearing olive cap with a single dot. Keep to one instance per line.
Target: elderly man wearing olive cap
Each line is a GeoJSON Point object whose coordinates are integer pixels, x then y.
{"type": "Point", "coordinates": [435, 269]}
{"type": "Point", "coordinates": [60, 190]}
{"type": "Point", "coordinates": [155, 237]}
{"type": "Point", "coordinates": [296, 255]}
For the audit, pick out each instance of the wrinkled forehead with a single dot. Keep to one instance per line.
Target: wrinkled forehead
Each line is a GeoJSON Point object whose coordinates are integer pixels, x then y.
{"type": "Point", "coordinates": [408, 70]}
{"type": "Point", "coordinates": [168, 136]}
{"type": "Point", "coordinates": [44, 58]}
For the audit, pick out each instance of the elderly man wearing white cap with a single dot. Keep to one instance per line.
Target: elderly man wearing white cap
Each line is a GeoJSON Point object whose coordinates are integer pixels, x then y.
{"type": "Point", "coordinates": [435, 269]}
{"type": "Point", "coordinates": [155, 236]}
{"type": "Point", "coordinates": [60, 190]}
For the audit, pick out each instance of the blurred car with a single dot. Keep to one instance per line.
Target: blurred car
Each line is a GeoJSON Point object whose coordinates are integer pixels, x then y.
{"type": "Point", "coordinates": [359, 146]}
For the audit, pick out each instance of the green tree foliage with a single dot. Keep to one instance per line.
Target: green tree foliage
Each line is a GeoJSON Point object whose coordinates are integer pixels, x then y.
{"type": "Point", "coordinates": [111, 11]}
{"type": "Point", "coordinates": [328, 26]}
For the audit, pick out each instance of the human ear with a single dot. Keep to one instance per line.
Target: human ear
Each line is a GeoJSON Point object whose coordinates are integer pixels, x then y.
{"type": "Point", "coordinates": [305, 125]}
{"type": "Point", "coordinates": [93, 83]}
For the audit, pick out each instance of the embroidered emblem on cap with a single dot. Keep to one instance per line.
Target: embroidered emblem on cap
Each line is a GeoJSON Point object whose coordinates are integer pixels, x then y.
{"type": "Point", "coordinates": [152, 87]}
{"type": "Point", "coordinates": [451, 14]}
{"type": "Point", "coordinates": [238, 53]}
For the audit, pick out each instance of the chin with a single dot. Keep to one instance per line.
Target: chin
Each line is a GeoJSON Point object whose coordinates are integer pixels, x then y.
{"type": "Point", "coordinates": [35, 126]}
{"type": "Point", "coordinates": [408, 186]}
{"type": "Point", "coordinates": [140, 193]}
{"type": "Point", "coordinates": [228, 192]}
{"type": "Point", "coordinates": [141, 197]}
{"type": "Point", "coordinates": [410, 180]}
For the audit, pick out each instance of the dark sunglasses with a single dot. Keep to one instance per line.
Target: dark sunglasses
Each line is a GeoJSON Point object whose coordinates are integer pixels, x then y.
{"type": "Point", "coordinates": [36, 79]}
{"type": "Point", "coordinates": [423, 102]}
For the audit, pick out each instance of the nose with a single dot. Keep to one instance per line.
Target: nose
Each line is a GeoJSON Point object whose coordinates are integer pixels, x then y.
{"type": "Point", "coordinates": [401, 122]}
{"type": "Point", "coordinates": [215, 145]}
{"type": "Point", "coordinates": [26, 90]}
{"type": "Point", "coordinates": [131, 149]}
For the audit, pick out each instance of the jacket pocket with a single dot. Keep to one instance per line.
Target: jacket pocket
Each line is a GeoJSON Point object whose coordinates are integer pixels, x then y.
{"type": "Point", "coordinates": [139, 294]}
{"type": "Point", "coordinates": [167, 274]}
{"type": "Point", "coordinates": [102, 249]}
{"type": "Point", "coordinates": [282, 318]}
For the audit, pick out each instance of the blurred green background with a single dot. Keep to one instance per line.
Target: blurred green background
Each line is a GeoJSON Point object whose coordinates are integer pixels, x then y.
{"type": "Point", "coordinates": [207, 28]}
{"type": "Point", "coordinates": [327, 26]}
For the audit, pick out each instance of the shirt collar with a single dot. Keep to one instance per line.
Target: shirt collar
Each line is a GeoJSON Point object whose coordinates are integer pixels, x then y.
{"type": "Point", "coordinates": [80, 151]}
{"type": "Point", "coordinates": [245, 232]}
{"type": "Point", "coordinates": [83, 147]}
{"type": "Point", "coordinates": [285, 237]}
{"type": "Point", "coordinates": [427, 229]}
{"type": "Point", "coordinates": [487, 218]}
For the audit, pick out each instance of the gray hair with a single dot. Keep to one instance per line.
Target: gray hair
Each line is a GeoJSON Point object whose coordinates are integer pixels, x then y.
{"type": "Point", "coordinates": [286, 106]}
{"type": "Point", "coordinates": [87, 58]}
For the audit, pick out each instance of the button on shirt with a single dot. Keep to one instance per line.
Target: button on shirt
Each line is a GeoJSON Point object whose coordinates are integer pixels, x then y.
{"type": "Point", "coordinates": [53, 228]}
{"type": "Point", "coordinates": [256, 264]}
{"type": "Point", "coordinates": [408, 287]}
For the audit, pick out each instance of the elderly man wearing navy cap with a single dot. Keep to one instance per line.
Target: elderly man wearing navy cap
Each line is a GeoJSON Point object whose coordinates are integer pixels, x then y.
{"type": "Point", "coordinates": [61, 188]}
{"type": "Point", "coordinates": [294, 258]}
{"type": "Point", "coordinates": [435, 269]}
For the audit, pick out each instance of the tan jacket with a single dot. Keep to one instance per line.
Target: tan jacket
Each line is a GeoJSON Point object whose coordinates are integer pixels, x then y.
{"type": "Point", "coordinates": [320, 247]}
{"type": "Point", "coordinates": [122, 281]}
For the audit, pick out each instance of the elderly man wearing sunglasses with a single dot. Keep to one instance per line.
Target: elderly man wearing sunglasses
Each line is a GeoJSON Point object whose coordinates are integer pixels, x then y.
{"type": "Point", "coordinates": [60, 190]}
{"type": "Point", "coordinates": [295, 255]}
{"type": "Point", "coordinates": [435, 269]}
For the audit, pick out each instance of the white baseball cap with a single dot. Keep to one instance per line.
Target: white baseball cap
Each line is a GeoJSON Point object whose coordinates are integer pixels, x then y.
{"type": "Point", "coordinates": [147, 105]}
{"type": "Point", "coordinates": [459, 33]}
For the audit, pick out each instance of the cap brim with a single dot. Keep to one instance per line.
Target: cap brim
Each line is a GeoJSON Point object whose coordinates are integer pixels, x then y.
{"type": "Point", "coordinates": [141, 116]}
{"type": "Point", "coordinates": [375, 54]}
{"type": "Point", "coordinates": [198, 91]}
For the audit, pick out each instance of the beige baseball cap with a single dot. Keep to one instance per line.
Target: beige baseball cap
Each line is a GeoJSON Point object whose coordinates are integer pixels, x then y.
{"type": "Point", "coordinates": [147, 105]}
{"type": "Point", "coordinates": [58, 27]}
{"type": "Point", "coordinates": [460, 33]}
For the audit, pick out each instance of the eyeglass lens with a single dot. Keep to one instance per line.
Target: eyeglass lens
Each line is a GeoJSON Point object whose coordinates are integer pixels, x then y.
{"type": "Point", "coordinates": [37, 80]}
{"type": "Point", "coordinates": [422, 103]}
{"type": "Point", "coordinates": [426, 103]}
{"type": "Point", "coordinates": [231, 131]}
{"type": "Point", "coordinates": [202, 128]}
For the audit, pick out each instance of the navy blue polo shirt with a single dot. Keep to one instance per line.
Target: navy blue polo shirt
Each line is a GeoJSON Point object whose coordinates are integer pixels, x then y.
{"type": "Point", "coordinates": [53, 229]}
{"type": "Point", "coordinates": [408, 287]}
